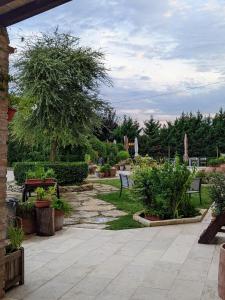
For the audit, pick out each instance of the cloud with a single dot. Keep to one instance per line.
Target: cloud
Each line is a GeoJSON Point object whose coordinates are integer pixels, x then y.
{"type": "Point", "coordinates": [165, 56]}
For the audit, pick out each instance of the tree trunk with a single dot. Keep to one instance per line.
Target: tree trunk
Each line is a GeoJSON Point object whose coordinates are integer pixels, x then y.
{"type": "Point", "coordinates": [53, 151]}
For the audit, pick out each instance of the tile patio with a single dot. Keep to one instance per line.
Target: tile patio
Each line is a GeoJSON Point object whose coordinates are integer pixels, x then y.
{"type": "Point", "coordinates": [148, 263]}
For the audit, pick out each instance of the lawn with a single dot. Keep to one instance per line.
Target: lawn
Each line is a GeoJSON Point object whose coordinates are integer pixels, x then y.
{"type": "Point", "coordinates": [129, 205]}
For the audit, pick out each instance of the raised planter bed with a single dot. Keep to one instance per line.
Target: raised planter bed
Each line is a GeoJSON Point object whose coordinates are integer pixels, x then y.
{"type": "Point", "coordinates": [139, 217]}
{"type": "Point", "coordinates": [14, 268]}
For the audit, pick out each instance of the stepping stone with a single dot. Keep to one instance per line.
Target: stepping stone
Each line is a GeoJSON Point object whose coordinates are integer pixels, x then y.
{"type": "Point", "coordinates": [114, 213]}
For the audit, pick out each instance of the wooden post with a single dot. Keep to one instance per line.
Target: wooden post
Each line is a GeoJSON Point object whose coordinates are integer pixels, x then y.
{"type": "Point", "coordinates": [4, 61]}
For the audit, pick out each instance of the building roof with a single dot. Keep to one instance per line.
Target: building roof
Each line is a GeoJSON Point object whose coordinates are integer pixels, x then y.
{"type": "Point", "coordinates": [14, 11]}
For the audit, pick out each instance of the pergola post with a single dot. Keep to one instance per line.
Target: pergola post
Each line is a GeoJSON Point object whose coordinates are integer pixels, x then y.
{"type": "Point", "coordinates": [4, 65]}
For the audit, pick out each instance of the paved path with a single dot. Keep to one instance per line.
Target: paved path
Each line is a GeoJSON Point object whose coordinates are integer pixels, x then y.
{"type": "Point", "coordinates": [158, 263]}
{"type": "Point", "coordinates": [90, 212]}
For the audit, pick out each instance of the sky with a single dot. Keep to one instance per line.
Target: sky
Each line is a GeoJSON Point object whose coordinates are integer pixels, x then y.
{"type": "Point", "coordinates": [164, 57]}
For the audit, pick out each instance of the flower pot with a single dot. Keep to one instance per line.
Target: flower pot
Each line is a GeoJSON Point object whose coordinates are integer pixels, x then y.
{"type": "Point", "coordinates": [221, 274]}
{"type": "Point", "coordinates": [14, 268]}
{"type": "Point", "coordinates": [59, 219]}
{"type": "Point", "coordinates": [11, 113]}
{"type": "Point", "coordinates": [28, 225]}
{"type": "Point", "coordinates": [112, 172]}
{"type": "Point", "coordinates": [107, 174]}
{"type": "Point", "coordinates": [34, 181]}
{"type": "Point", "coordinates": [42, 203]}
{"type": "Point", "coordinates": [92, 169]}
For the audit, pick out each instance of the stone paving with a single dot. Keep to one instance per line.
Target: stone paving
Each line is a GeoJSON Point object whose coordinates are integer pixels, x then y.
{"type": "Point", "coordinates": [160, 263]}
{"type": "Point", "coordinates": [90, 212]}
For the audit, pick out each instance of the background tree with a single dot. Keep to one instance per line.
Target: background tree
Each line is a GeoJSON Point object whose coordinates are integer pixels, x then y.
{"type": "Point", "coordinates": [109, 122]}
{"type": "Point", "coordinates": [58, 81]}
{"type": "Point", "coordinates": [128, 127]}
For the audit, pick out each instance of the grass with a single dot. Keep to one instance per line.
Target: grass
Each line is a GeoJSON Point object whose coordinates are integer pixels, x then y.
{"type": "Point", "coordinates": [129, 205]}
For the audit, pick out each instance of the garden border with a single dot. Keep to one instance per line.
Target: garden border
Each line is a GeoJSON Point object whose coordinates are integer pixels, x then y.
{"type": "Point", "coordinates": [137, 217]}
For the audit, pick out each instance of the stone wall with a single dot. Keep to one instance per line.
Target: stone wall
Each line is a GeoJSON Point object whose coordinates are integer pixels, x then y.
{"type": "Point", "coordinates": [4, 53]}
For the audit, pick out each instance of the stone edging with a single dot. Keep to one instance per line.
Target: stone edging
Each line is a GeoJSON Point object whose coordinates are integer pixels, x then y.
{"type": "Point", "coordinates": [149, 223]}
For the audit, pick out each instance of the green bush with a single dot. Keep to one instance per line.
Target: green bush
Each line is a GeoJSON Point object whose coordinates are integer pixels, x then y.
{"type": "Point", "coordinates": [217, 192]}
{"type": "Point", "coordinates": [216, 161]}
{"type": "Point", "coordinates": [123, 155]}
{"type": "Point", "coordinates": [65, 173]}
{"type": "Point", "coordinates": [163, 190]}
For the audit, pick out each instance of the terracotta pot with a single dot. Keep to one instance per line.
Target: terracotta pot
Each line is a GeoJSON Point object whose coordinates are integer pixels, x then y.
{"type": "Point", "coordinates": [49, 181]}
{"type": "Point", "coordinates": [29, 225]}
{"type": "Point", "coordinates": [92, 169]}
{"type": "Point", "coordinates": [59, 219]}
{"type": "Point", "coordinates": [113, 172]}
{"type": "Point", "coordinates": [33, 181]}
{"type": "Point", "coordinates": [42, 203]}
{"type": "Point", "coordinates": [221, 274]}
{"type": "Point", "coordinates": [11, 113]}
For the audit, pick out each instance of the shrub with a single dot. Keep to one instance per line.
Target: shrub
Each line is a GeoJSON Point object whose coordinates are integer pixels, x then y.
{"type": "Point", "coordinates": [25, 209]}
{"type": "Point", "coordinates": [163, 190]}
{"type": "Point", "coordinates": [65, 173]}
{"type": "Point", "coordinates": [217, 192]}
{"type": "Point", "coordinates": [16, 236]}
{"type": "Point", "coordinates": [216, 161]}
{"type": "Point", "coordinates": [123, 155]}
{"type": "Point", "coordinates": [105, 168]}
{"type": "Point", "coordinates": [62, 205]}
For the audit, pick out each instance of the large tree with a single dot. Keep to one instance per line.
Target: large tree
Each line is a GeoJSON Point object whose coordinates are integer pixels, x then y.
{"type": "Point", "coordinates": [58, 82]}
{"type": "Point", "coordinates": [129, 128]}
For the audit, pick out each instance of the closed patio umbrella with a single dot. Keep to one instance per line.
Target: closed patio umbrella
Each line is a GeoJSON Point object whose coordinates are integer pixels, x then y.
{"type": "Point", "coordinates": [186, 157]}
{"type": "Point", "coordinates": [126, 143]}
{"type": "Point", "coordinates": [136, 146]}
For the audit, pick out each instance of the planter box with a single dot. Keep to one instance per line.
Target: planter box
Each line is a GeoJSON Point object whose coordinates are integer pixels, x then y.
{"type": "Point", "coordinates": [221, 274]}
{"type": "Point", "coordinates": [28, 225]}
{"type": "Point", "coordinates": [140, 218]}
{"type": "Point", "coordinates": [45, 221]}
{"type": "Point", "coordinates": [39, 182]}
{"type": "Point", "coordinates": [59, 220]}
{"type": "Point", "coordinates": [14, 268]}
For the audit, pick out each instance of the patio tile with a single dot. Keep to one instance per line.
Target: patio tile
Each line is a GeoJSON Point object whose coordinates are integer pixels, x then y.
{"type": "Point", "coordinates": [146, 293]}
{"type": "Point", "coordinates": [194, 269]}
{"type": "Point", "coordinates": [210, 291]}
{"type": "Point", "coordinates": [186, 290]}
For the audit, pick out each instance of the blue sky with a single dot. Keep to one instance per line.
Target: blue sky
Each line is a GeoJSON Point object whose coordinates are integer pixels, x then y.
{"type": "Point", "coordinates": [164, 56]}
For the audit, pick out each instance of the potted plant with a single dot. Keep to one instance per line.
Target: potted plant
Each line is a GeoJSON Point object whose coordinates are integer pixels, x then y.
{"type": "Point", "coordinates": [26, 212]}
{"type": "Point", "coordinates": [42, 199]}
{"type": "Point", "coordinates": [113, 171]}
{"type": "Point", "coordinates": [61, 208]}
{"type": "Point", "coordinates": [105, 169]}
{"type": "Point", "coordinates": [14, 258]}
{"type": "Point", "coordinates": [40, 176]}
{"type": "Point", "coordinates": [122, 157]}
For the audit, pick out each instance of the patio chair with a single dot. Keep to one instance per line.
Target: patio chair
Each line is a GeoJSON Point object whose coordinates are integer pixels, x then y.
{"type": "Point", "coordinates": [125, 182]}
{"type": "Point", "coordinates": [195, 188]}
{"type": "Point", "coordinates": [193, 162]}
{"type": "Point", "coordinates": [203, 161]}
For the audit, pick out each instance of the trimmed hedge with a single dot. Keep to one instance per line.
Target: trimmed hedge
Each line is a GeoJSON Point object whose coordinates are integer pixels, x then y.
{"type": "Point", "coordinates": [65, 173]}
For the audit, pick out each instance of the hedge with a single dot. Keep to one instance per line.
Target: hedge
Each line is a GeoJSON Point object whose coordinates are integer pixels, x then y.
{"type": "Point", "coordinates": [65, 173]}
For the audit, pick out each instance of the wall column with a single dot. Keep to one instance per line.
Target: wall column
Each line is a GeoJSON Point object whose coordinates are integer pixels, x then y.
{"type": "Point", "coordinates": [4, 62]}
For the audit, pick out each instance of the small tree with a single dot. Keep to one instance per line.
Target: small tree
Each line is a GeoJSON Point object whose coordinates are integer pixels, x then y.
{"type": "Point", "coordinates": [59, 83]}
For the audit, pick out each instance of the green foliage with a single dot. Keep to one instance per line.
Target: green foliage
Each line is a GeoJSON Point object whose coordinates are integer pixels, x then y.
{"type": "Point", "coordinates": [111, 153]}
{"type": "Point", "coordinates": [129, 128]}
{"type": "Point", "coordinates": [39, 172]}
{"type": "Point", "coordinates": [41, 193]}
{"type": "Point", "coordinates": [217, 192]}
{"type": "Point", "coordinates": [98, 146]}
{"type": "Point", "coordinates": [87, 158]}
{"type": "Point", "coordinates": [145, 161]}
{"type": "Point", "coordinates": [123, 155]}
{"type": "Point", "coordinates": [62, 205]}
{"type": "Point", "coordinates": [59, 82]}
{"type": "Point", "coordinates": [65, 173]}
{"type": "Point", "coordinates": [25, 209]}
{"type": "Point", "coordinates": [216, 161]}
{"type": "Point", "coordinates": [16, 236]}
{"type": "Point", "coordinates": [163, 190]}
{"type": "Point", "coordinates": [105, 168]}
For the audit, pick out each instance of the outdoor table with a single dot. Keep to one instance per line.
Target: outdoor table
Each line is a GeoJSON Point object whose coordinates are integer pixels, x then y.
{"type": "Point", "coordinates": [31, 187]}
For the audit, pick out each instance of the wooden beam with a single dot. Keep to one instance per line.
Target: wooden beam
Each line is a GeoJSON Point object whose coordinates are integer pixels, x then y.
{"type": "Point", "coordinates": [29, 10]}
{"type": "Point", "coordinates": [4, 2]}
